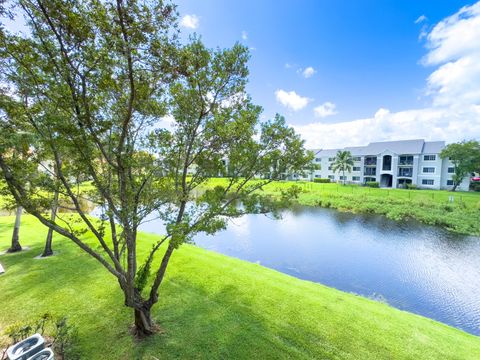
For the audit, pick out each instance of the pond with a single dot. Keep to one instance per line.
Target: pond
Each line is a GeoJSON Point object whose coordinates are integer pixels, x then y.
{"type": "Point", "coordinates": [413, 267]}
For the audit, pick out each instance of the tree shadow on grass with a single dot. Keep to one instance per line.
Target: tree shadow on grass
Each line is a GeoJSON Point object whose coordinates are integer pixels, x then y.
{"type": "Point", "coordinates": [203, 325]}
{"type": "Point", "coordinates": [201, 318]}
{"type": "Point", "coordinates": [197, 323]}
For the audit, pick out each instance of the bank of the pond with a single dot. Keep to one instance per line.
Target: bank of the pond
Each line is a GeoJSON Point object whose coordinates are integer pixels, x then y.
{"type": "Point", "coordinates": [458, 212]}
{"type": "Point", "coordinates": [212, 307]}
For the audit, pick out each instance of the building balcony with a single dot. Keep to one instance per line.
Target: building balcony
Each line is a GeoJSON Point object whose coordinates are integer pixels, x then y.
{"type": "Point", "coordinates": [405, 172]}
{"type": "Point", "coordinates": [370, 161]}
{"type": "Point", "coordinates": [405, 160]}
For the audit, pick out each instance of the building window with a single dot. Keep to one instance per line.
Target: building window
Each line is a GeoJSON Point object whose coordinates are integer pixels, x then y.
{"type": "Point", "coordinates": [318, 159]}
{"type": "Point", "coordinates": [451, 170]}
{"type": "Point", "coordinates": [405, 171]}
{"type": "Point", "coordinates": [331, 159]}
{"type": "Point", "coordinates": [429, 157]}
{"type": "Point", "coordinates": [370, 160]}
{"type": "Point", "coordinates": [355, 178]}
{"type": "Point", "coordinates": [356, 168]}
{"type": "Point", "coordinates": [343, 177]}
{"type": "Point", "coordinates": [331, 177]}
{"type": "Point", "coordinates": [357, 158]}
{"type": "Point", "coordinates": [405, 160]}
{"type": "Point", "coordinates": [450, 182]}
{"type": "Point", "coordinates": [330, 167]}
{"type": "Point", "coordinates": [370, 171]}
{"type": "Point", "coordinates": [427, 182]}
{"type": "Point", "coordinates": [428, 170]}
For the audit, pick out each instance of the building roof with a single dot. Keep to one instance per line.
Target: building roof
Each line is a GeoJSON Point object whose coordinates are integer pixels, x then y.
{"type": "Point", "coordinates": [327, 152]}
{"type": "Point", "coordinates": [397, 147]}
{"type": "Point", "coordinates": [400, 147]}
{"type": "Point", "coordinates": [433, 147]}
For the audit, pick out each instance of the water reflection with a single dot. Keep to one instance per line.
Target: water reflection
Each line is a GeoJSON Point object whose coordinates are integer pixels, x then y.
{"type": "Point", "coordinates": [413, 267]}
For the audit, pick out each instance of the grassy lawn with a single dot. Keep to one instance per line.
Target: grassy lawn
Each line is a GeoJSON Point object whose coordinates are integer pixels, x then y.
{"type": "Point", "coordinates": [431, 207]}
{"type": "Point", "coordinates": [214, 307]}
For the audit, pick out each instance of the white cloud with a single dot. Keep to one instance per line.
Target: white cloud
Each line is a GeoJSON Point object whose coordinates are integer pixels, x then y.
{"type": "Point", "coordinates": [324, 110]}
{"type": "Point", "coordinates": [244, 35]}
{"type": "Point", "coordinates": [190, 21]}
{"type": "Point", "coordinates": [420, 19]}
{"type": "Point", "coordinates": [288, 65]}
{"type": "Point", "coordinates": [453, 89]}
{"type": "Point", "coordinates": [428, 123]}
{"type": "Point", "coordinates": [455, 47]}
{"type": "Point", "coordinates": [291, 99]}
{"type": "Point", "coordinates": [423, 32]}
{"type": "Point", "coordinates": [308, 72]}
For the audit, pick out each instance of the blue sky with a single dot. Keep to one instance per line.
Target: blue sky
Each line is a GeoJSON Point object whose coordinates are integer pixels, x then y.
{"type": "Point", "coordinates": [368, 60]}
{"type": "Point", "coordinates": [350, 72]}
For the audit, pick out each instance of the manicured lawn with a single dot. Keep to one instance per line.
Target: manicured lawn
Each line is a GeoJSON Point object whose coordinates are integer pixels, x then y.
{"type": "Point", "coordinates": [214, 307]}
{"type": "Point", "coordinates": [431, 207]}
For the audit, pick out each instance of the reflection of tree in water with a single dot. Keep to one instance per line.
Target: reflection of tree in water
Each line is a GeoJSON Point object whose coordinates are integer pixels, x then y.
{"type": "Point", "coordinates": [389, 229]}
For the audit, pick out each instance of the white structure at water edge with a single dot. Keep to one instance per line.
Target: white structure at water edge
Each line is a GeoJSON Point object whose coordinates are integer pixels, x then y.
{"type": "Point", "coordinates": [393, 164]}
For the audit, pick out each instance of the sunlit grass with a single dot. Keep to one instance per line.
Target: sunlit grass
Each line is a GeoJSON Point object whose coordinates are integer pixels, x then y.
{"type": "Point", "coordinates": [213, 307]}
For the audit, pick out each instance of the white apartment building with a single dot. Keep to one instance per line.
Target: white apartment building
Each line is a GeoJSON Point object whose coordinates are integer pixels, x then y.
{"type": "Point", "coordinates": [393, 164]}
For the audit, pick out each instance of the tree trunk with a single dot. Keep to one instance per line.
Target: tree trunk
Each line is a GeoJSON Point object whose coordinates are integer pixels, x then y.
{"type": "Point", "coordinates": [344, 177]}
{"type": "Point", "coordinates": [143, 322]}
{"type": "Point", "coordinates": [16, 230]}
{"type": "Point", "coordinates": [48, 243]}
{"type": "Point", "coordinates": [454, 186]}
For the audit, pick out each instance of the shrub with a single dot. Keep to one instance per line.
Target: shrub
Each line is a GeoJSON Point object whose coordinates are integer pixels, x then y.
{"type": "Point", "coordinates": [373, 184]}
{"type": "Point", "coordinates": [475, 185]}
{"type": "Point", "coordinates": [412, 186]}
{"type": "Point", "coordinates": [322, 181]}
{"type": "Point", "coordinates": [448, 208]}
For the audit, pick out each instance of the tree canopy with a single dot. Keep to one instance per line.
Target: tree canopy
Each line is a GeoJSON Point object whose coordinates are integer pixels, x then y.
{"type": "Point", "coordinates": [105, 92]}
{"type": "Point", "coordinates": [465, 156]}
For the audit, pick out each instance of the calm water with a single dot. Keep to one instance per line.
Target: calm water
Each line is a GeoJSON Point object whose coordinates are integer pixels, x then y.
{"type": "Point", "coordinates": [413, 267]}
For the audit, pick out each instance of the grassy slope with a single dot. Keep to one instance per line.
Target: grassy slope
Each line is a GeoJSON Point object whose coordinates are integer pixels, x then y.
{"type": "Point", "coordinates": [428, 206]}
{"type": "Point", "coordinates": [212, 307]}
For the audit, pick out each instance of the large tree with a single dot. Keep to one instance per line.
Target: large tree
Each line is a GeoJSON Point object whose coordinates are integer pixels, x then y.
{"type": "Point", "coordinates": [465, 157]}
{"type": "Point", "coordinates": [343, 162]}
{"type": "Point", "coordinates": [106, 90]}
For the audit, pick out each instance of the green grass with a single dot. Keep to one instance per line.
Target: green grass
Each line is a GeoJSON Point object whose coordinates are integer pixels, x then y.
{"type": "Point", "coordinates": [214, 307]}
{"type": "Point", "coordinates": [431, 207]}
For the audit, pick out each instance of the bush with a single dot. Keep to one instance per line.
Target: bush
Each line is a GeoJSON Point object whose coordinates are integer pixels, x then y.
{"type": "Point", "coordinates": [373, 184]}
{"type": "Point", "coordinates": [412, 187]}
{"type": "Point", "coordinates": [475, 185]}
{"type": "Point", "coordinates": [322, 181]}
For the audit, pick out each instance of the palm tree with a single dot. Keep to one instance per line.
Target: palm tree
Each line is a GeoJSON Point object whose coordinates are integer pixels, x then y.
{"type": "Point", "coordinates": [343, 162]}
